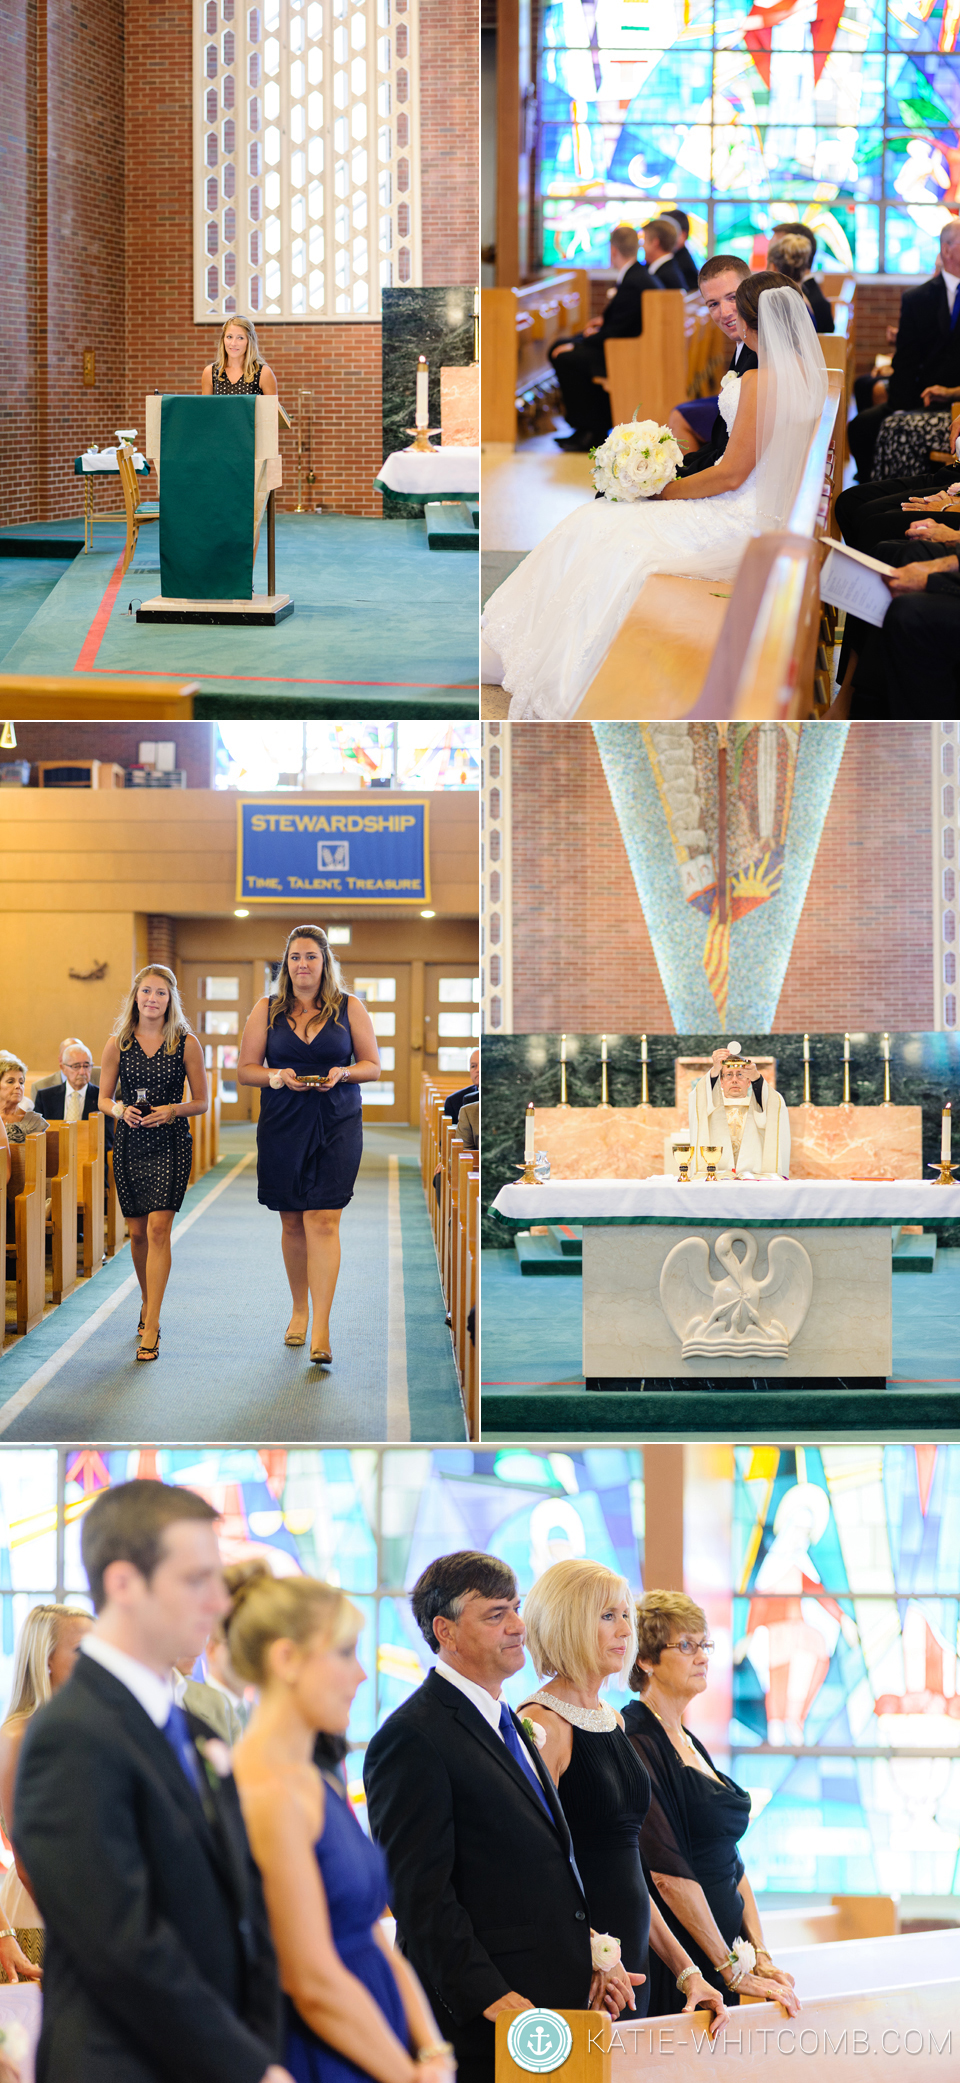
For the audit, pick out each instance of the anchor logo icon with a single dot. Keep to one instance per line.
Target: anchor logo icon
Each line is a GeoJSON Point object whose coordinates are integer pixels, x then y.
{"type": "Point", "coordinates": [539, 2041]}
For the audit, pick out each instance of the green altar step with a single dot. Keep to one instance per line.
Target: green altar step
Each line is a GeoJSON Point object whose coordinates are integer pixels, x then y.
{"type": "Point", "coordinates": [794, 1413]}
{"type": "Point", "coordinates": [914, 1254]}
{"type": "Point", "coordinates": [452, 525]}
{"type": "Point", "coordinates": [546, 1255]}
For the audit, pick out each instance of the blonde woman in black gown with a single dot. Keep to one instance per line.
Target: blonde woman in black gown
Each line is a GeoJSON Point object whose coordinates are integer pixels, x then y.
{"type": "Point", "coordinates": [581, 1633]}
{"type": "Point", "coordinates": [154, 1058]}
{"type": "Point", "coordinates": [308, 1048]}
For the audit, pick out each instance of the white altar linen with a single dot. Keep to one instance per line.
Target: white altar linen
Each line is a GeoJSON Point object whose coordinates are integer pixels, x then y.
{"type": "Point", "coordinates": [747, 1202]}
{"type": "Point", "coordinates": [443, 474]}
{"type": "Point", "coordinates": [98, 461]}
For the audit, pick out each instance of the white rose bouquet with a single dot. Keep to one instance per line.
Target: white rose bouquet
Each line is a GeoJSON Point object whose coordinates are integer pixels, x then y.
{"type": "Point", "coordinates": [636, 461]}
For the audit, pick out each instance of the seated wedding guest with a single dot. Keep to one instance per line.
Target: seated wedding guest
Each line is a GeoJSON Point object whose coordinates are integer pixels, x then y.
{"type": "Point", "coordinates": [221, 1676]}
{"type": "Point", "coordinates": [468, 1125]}
{"type": "Point", "coordinates": [46, 1652]}
{"type": "Point", "coordinates": [907, 439]}
{"type": "Point", "coordinates": [158, 1961]}
{"type": "Point", "coordinates": [683, 258]}
{"type": "Point", "coordinates": [689, 1836]}
{"type": "Point", "coordinates": [790, 255]}
{"type": "Point", "coordinates": [490, 1909]}
{"type": "Point", "coordinates": [736, 1110]}
{"type": "Point", "coordinates": [698, 425]}
{"type": "Point", "coordinates": [17, 1113]}
{"type": "Point", "coordinates": [661, 237]}
{"type": "Point", "coordinates": [884, 512]}
{"type": "Point", "coordinates": [455, 1101]}
{"type": "Point", "coordinates": [354, 2007]}
{"type": "Point", "coordinates": [822, 314]}
{"type": "Point", "coordinates": [586, 405]}
{"type": "Point", "coordinates": [581, 1632]}
{"type": "Point", "coordinates": [911, 665]}
{"type": "Point", "coordinates": [76, 1097]}
{"type": "Point", "coordinates": [927, 353]}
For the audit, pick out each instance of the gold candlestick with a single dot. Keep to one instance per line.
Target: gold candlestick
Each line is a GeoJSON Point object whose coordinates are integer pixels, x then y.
{"type": "Point", "coordinates": [421, 444]}
{"type": "Point", "coordinates": [945, 1170]}
{"type": "Point", "coordinates": [529, 1177]}
{"type": "Point", "coordinates": [846, 1070]}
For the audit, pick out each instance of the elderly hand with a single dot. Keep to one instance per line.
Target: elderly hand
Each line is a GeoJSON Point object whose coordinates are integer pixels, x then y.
{"type": "Point", "coordinates": [612, 1990]}
{"type": "Point", "coordinates": [770, 1991]}
{"type": "Point", "coordinates": [15, 1964]}
{"type": "Point", "coordinates": [935, 531]}
{"type": "Point", "coordinates": [702, 1996]}
{"type": "Point", "coordinates": [912, 578]}
{"type": "Point", "coordinates": [592, 326]}
{"type": "Point", "coordinates": [933, 392]}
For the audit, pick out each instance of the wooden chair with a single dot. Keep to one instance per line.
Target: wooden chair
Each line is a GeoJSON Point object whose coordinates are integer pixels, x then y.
{"type": "Point", "coordinates": [138, 514]}
{"type": "Point", "coordinates": [90, 1190]}
{"type": "Point", "coordinates": [26, 1195]}
{"type": "Point", "coordinates": [62, 1196]}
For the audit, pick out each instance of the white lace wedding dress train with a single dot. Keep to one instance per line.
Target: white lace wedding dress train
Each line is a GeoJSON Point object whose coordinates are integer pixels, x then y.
{"type": "Point", "coordinates": [553, 620]}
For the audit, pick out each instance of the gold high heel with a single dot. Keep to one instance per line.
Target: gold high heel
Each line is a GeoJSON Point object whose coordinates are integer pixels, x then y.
{"type": "Point", "coordinates": [301, 1340]}
{"type": "Point", "coordinates": [323, 1358]}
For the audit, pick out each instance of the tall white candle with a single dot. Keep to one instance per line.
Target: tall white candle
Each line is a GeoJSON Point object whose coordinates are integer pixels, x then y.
{"type": "Point", "coordinates": [846, 1048]}
{"type": "Point", "coordinates": [886, 1048]}
{"type": "Point", "coordinates": [945, 1134]}
{"type": "Point", "coordinates": [529, 1135]}
{"type": "Point", "coordinates": [806, 1048]}
{"type": "Point", "coordinates": [643, 1048]}
{"type": "Point", "coordinates": [423, 379]}
{"type": "Point", "coordinates": [563, 1048]}
{"type": "Point", "coordinates": [603, 1048]}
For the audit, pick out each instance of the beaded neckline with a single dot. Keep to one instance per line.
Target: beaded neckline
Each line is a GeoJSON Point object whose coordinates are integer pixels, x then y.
{"type": "Point", "coordinates": [599, 1720]}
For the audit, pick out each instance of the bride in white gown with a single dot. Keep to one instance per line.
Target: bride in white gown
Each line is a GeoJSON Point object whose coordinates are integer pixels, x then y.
{"type": "Point", "coordinates": [548, 627]}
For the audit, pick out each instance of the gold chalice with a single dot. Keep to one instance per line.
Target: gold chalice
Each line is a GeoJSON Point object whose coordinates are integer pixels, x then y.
{"type": "Point", "coordinates": [683, 1153]}
{"type": "Point", "coordinates": [712, 1151]}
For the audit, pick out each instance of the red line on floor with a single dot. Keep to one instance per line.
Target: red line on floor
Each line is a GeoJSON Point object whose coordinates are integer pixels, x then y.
{"type": "Point", "coordinates": [133, 672]}
{"type": "Point", "coordinates": [95, 634]}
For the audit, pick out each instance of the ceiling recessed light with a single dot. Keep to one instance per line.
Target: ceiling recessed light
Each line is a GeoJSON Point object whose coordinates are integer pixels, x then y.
{"type": "Point", "coordinates": [428, 914]}
{"type": "Point", "coordinates": [241, 914]}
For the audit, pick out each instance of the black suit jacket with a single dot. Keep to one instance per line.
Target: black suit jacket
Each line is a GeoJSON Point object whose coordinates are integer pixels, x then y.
{"type": "Point", "coordinates": [159, 1966]}
{"type": "Point", "coordinates": [704, 458]}
{"type": "Point", "coordinates": [927, 351]}
{"type": "Point", "coordinates": [459, 1099]}
{"type": "Point", "coordinates": [822, 314]}
{"type": "Point", "coordinates": [482, 1886]}
{"type": "Point", "coordinates": [51, 1102]}
{"type": "Point", "coordinates": [684, 261]}
{"type": "Point", "coordinates": [670, 276]}
{"type": "Point", "coordinates": [623, 317]}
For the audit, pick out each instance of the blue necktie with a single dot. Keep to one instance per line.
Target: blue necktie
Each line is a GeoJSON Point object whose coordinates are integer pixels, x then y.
{"type": "Point", "coordinates": [520, 1752]}
{"type": "Point", "coordinates": [178, 1736]}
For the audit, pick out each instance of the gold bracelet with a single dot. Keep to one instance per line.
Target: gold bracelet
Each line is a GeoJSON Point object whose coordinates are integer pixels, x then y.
{"type": "Point", "coordinates": [433, 2053]}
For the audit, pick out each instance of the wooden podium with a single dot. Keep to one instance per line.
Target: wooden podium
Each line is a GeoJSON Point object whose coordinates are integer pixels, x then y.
{"type": "Point", "coordinates": [260, 610]}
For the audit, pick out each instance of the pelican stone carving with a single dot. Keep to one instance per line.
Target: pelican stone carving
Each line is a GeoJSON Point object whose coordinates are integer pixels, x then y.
{"type": "Point", "coordinates": [737, 1314]}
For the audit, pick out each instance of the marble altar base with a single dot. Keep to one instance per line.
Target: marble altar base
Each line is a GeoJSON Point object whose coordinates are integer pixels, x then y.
{"type": "Point", "coordinates": [846, 1327]}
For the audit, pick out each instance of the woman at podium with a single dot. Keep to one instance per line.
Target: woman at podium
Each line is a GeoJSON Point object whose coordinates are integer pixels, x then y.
{"type": "Point", "coordinates": [237, 369]}
{"type": "Point", "coordinates": [308, 1048]}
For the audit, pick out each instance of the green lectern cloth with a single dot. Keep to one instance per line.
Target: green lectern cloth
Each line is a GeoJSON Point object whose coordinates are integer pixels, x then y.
{"type": "Point", "coordinates": [207, 476]}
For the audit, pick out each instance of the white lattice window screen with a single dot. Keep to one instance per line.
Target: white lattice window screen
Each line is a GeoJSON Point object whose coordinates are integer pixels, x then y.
{"type": "Point", "coordinates": [946, 872]}
{"type": "Point", "coordinates": [496, 888]}
{"type": "Point", "coordinates": [306, 157]}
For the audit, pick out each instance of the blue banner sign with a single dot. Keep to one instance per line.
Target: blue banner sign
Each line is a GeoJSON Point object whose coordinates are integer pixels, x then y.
{"type": "Point", "coordinates": [368, 850]}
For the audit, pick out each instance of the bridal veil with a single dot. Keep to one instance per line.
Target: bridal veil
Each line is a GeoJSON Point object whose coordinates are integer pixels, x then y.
{"type": "Point", "coordinates": [792, 392]}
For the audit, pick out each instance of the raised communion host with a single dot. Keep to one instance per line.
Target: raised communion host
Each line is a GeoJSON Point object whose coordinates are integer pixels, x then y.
{"type": "Point", "coordinates": [734, 1108]}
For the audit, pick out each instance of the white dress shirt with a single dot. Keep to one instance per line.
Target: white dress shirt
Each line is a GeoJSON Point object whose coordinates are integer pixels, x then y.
{"type": "Point", "coordinates": [477, 1694]}
{"type": "Point", "coordinates": [653, 265]}
{"type": "Point", "coordinates": [951, 284]}
{"type": "Point", "coordinates": [73, 1103]}
{"type": "Point", "coordinates": [154, 1693]}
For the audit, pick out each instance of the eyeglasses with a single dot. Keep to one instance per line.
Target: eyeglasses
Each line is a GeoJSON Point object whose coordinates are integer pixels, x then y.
{"type": "Point", "coordinates": [690, 1648]}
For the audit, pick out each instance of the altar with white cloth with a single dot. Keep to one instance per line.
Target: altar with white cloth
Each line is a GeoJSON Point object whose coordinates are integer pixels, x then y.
{"type": "Point", "coordinates": [738, 1278]}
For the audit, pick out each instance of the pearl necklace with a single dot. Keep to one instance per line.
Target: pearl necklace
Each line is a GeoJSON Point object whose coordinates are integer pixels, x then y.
{"type": "Point", "coordinates": [599, 1720]}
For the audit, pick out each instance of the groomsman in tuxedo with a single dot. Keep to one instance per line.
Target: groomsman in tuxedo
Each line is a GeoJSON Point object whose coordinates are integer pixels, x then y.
{"type": "Point", "coordinates": [720, 278]}
{"type": "Point", "coordinates": [586, 405]}
{"type": "Point", "coordinates": [489, 1904]}
{"type": "Point", "coordinates": [76, 1097]}
{"type": "Point", "coordinates": [159, 1965]}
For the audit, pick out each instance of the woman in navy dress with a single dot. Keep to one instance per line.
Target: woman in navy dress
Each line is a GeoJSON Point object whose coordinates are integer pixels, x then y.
{"type": "Point", "coordinates": [309, 1137]}
{"type": "Point", "coordinates": [154, 1059]}
{"type": "Point", "coordinates": [354, 2007]}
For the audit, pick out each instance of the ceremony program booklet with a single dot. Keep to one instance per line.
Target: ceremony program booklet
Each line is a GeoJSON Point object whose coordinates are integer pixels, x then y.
{"type": "Point", "coordinates": [855, 582]}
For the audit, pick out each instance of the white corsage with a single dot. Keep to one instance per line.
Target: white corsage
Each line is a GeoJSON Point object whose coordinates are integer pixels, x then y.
{"type": "Point", "coordinates": [604, 1951]}
{"type": "Point", "coordinates": [746, 1959]}
{"type": "Point", "coordinates": [534, 1731]}
{"type": "Point", "coordinates": [637, 460]}
{"type": "Point", "coordinates": [216, 1756]}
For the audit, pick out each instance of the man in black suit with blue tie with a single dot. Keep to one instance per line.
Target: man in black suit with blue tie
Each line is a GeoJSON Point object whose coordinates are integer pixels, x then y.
{"type": "Point", "coordinates": [159, 1966]}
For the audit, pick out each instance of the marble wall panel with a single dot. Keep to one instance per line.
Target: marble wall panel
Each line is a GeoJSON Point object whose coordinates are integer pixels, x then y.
{"type": "Point", "coordinates": [434, 322]}
{"type": "Point", "coordinates": [826, 1142]}
{"type": "Point", "coordinates": [460, 406]}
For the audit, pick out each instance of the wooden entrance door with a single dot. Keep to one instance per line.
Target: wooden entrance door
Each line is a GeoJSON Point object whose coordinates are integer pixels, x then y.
{"type": "Point", "coordinates": [218, 998]}
{"type": "Point", "coordinates": [451, 1017]}
{"type": "Point", "coordinates": [385, 990]}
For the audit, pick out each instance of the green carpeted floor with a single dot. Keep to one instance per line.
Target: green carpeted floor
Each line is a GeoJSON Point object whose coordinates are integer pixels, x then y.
{"type": "Point", "coordinates": [382, 625]}
{"type": "Point", "coordinates": [224, 1373]}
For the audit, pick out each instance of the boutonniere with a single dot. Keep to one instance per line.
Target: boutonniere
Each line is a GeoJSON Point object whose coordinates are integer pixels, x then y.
{"type": "Point", "coordinates": [217, 1760]}
{"type": "Point", "coordinates": [534, 1731]}
{"type": "Point", "coordinates": [730, 377]}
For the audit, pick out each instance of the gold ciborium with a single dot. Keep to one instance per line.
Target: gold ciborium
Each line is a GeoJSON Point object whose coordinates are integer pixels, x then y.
{"type": "Point", "coordinates": [712, 1152]}
{"type": "Point", "coordinates": [683, 1153]}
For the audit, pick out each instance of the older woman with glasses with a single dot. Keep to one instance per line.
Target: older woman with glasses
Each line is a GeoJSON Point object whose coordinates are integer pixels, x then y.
{"type": "Point", "coordinates": [689, 1838]}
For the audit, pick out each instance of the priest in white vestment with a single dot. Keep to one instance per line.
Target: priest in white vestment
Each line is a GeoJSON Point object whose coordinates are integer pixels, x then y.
{"type": "Point", "coordinates": [735, 1109]}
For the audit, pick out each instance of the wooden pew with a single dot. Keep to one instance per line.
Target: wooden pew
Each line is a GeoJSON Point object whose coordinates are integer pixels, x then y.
{"type": "Point", "coordinates": [704, 648]}
{"type": "Point", "coordinates": [114, 1224]}
{"type": "Point", "coordinates": [647, 374]}
{"type": "Point", "coordinates": [26, 1196]}
{"type": "Point", "coordinates": [518, 326]}
{"type": "Point", "coordinates": [90, 1190]}
{"type": "Point", "coordinates": [62, 1195]}
{"type": "Point", "coordinates": [96, 695]}
{"type": "Point", "coordinates": [4, 1177]}
{"type": "Point", "coordinates": [471, 1377]}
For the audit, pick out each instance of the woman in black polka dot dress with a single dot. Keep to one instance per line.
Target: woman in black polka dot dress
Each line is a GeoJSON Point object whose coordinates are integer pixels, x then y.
{"type": "Point", "coordinates": [153, 1057]}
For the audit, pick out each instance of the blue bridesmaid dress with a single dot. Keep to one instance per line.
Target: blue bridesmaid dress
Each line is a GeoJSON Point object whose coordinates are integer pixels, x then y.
{"type": "Point", "coordinates": [309, 1144]}
{"type": "Point", "coordinates": [354, 1876]}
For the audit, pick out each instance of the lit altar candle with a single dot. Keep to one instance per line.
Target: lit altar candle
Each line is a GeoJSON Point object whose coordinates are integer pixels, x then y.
{"type": "Point", "coordinates": [603, 1048]}
{"type": "Point", "coordinates": [846, 1070]}
{"type": "Point", "coordinates": [846, 1048]}
{"type": "Point", "coordinates": [423, 379]}
{"type": "Point", "coordinates": [563, 1070]}
{"type": "Point", "coordinates": [806, 1070]}
{"type": "Point", "coordinates": [604, 1087]}
{"type": "Point", "coordinates": [644, 1086]}
{"type": "Point", "coordinates": [530, 1134]}
{"type": "Point", "coordinates": [886, 1069]}
{"type": "Point", "coordinates": [945, 1135]}
{"type": "Point", "coordinates": [806, 1048]}
{"type": "Point", "coordinates": [563, 1048]}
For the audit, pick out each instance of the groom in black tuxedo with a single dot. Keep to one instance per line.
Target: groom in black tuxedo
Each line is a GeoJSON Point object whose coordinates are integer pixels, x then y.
{"type": "Point", "coordinates": [489, 1905]}
{"type": "Point", "coordinates": [720, 278]}
{"type": "Point", "coordinates": [159, 1965]}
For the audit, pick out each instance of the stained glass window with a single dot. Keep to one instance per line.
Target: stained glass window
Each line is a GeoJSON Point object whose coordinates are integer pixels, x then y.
{"type": "Point", "coordinates": [306, 156]}
{"type": "Point", "coordinates": [846, 1712]}
{"type": "Point", "coordinates": [746, 116]}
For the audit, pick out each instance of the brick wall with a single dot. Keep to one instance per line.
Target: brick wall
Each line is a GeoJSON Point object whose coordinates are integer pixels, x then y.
{"type": "Point", "coordinates": [97, 231]}
{"type": "Point", "coordinates": [582, 955]}
{"type": "Point", "coordinates": [119, 742]}
{"type": "Point", "coordinates": [876, 305]}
